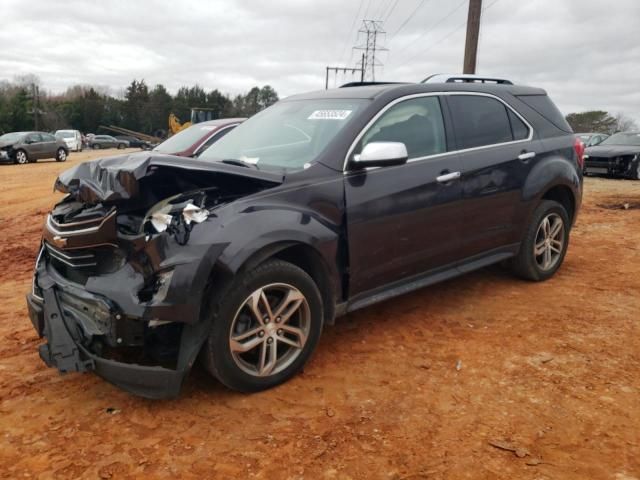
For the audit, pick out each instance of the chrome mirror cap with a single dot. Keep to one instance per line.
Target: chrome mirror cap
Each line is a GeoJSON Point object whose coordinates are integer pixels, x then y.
{"type": "Point", "coordinates": [380, 154]}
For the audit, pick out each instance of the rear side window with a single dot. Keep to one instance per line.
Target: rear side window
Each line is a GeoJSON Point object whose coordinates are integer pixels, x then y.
{"type": "Point", "coordinates": [545, 107]}
{"type": "Point", "coordinates": [479, 121]}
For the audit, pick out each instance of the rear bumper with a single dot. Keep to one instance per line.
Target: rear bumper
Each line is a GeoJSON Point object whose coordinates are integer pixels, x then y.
{"type": "Point", "coordinates": [71, 333]}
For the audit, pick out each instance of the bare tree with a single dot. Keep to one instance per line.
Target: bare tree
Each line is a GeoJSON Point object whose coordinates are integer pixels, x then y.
{"type": "Point", "coordinates": [624, 123]}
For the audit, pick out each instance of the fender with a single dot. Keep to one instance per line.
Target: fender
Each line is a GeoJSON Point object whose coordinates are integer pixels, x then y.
{"type": "Point", "coordinates": [550, 171]}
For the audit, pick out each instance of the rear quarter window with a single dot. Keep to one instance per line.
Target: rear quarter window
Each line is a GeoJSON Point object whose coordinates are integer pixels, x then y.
{"type": "Point", "coordinates": [545, 107]}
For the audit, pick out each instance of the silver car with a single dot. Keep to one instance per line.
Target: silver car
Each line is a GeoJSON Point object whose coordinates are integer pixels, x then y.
{"type": "Point", "coordinates": [25, 147]}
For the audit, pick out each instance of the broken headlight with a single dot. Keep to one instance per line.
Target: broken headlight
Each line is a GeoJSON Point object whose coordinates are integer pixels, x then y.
{"type": "Point", "coordinates": [176, 216]}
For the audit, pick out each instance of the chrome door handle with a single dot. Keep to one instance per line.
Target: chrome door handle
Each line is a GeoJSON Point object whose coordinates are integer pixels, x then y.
{"type": "Point", "coordinates": [526, 155]}
{"type": "Point", "coordinates": [447, 177]}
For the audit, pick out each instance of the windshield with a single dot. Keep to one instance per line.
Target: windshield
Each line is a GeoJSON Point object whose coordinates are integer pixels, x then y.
{"type": "Point", "coordinates": [184, 139]}
{"type": "Point", "coordinates": [11, 137]}
{"type": "Point", "coordinates": [287, 135]}
{"type": "Point", "coordinates": [65, 134]}
{"type": "Point", "coordinates": [632, 139]}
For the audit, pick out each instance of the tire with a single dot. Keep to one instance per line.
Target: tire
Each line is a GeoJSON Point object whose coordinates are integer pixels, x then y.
{"type": "Point", "coordinates": [61, 155]}
{"type": "Point", "coordinates": [538, 267]}
{"type": "Point", "coordinates": [121, 146]}
{"type": "Point", "coordinates": [292, 336]}
{"type": "Point", "coordinates": [95, 146]}
{"type": "Point", "coordinates": [21, 157]}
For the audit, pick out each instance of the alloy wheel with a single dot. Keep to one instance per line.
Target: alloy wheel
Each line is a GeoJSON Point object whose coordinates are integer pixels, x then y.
{"type": "Point", "coordinates": [270, 329]}
{"type": "Point", "coordinates": [21, 157]}
{"type": "Point", "coordinates": [549, 244]}
{"type": "Point", "coordinates": [62, 155]}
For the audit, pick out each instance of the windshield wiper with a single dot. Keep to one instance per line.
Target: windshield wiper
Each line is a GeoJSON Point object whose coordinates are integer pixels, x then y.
{"type": "Point", "coordinates": [240, 163]}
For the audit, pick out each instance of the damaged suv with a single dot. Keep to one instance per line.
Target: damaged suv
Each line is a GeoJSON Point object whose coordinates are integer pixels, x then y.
{"type": "Point", "coordinates": [319, 205]}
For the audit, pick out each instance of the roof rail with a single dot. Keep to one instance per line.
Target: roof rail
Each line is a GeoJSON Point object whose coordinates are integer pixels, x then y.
{"type": "Point", "coordinates": [464, 78]}
{"type": "Point", "coordinates": [366, 84]}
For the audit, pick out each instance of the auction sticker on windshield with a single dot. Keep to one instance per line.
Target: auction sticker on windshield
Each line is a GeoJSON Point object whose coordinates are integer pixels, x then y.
{"type": "Point", "coordinates": [329, 115]}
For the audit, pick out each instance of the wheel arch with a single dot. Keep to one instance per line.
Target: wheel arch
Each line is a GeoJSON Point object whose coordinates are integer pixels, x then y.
{"type": "Point", "coordinates": [564, 196]}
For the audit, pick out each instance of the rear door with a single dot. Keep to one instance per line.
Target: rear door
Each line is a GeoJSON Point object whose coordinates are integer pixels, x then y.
{"type": "Point", "coordinates": [49, 145]}
{"type": "Point", "coordinates": [402, 220]}
{"type": "Point", "coordinates": [497, 152]}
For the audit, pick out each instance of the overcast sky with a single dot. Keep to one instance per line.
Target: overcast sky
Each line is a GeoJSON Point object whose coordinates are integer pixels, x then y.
{"type": "Point", "coordinates": [585, 53]}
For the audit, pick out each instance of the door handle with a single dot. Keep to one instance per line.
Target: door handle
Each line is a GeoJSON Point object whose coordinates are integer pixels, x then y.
{"type": "Point", "coordinates": [447, 177]}
{"type": "Point", "coordinates": [524, 156]}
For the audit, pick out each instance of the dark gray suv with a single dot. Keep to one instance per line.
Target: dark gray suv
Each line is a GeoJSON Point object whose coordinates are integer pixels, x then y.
{"type": "Point", "coordinates": [321, 204]}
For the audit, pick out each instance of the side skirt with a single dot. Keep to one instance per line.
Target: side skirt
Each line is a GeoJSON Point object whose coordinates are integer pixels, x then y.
{"type": "Point", "coordinates": [410, 284]}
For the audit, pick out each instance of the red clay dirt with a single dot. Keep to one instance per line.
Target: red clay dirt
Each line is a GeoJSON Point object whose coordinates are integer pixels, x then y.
{"type": "Point", "coordinates": [482, 377]}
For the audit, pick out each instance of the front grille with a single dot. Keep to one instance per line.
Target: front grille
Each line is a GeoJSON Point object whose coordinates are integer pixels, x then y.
{"type": "Point", "coordinates": [89, 223]}
{"type": "Point", "coordinates": [83, 258]}
{"type": "Point", "coordinates": [78, 265]}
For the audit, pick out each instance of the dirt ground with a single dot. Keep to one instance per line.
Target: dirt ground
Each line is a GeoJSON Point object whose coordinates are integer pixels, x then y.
{"type": "Point", "coordinates": [482, 377]}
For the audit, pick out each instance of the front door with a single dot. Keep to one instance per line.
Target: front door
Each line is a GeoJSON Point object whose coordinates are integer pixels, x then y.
{"type": "Point", "coordinates": [402, 220]}
{"type": "Point", "coordinates": [34, 146]}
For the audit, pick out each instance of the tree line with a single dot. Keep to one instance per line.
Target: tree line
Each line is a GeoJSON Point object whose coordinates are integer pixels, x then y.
{"type": "Point", "coordinates": [599, 121]}
{"type": "Point", "coordinates": [24, 106]}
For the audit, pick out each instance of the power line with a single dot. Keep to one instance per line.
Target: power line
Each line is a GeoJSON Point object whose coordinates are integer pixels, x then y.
{"type": "Point", "coordinates": [393, 7]}
{"type": "Point", "coordinates": [353, 25]}
{"type": "Point", "coordinates": [408, 18]}
{"type": "Point", "coordinates": [439, 22]}
{"type": "Point", "coordinates": [455, 30]}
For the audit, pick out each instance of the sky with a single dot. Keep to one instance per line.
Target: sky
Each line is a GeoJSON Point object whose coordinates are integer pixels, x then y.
{"type": "Point", "coordinates": [585, 53]}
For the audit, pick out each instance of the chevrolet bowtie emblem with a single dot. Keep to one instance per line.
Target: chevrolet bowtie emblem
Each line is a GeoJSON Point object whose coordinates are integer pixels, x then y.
{"type": "Point", "coordinates": [59, 241]}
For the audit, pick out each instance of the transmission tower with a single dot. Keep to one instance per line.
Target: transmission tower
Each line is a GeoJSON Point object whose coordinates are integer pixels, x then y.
{"type": "Point", "coordinates": [374, 36]}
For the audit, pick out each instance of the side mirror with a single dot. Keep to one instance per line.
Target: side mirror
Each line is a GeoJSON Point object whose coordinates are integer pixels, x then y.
{"type": "Point", "coordinates": [381, 154]}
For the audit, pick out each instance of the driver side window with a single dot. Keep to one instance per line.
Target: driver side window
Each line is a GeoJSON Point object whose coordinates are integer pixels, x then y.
{"type": "Point", "coordinates": [33, 138]}
{"type": "Point", "coordinates": [416, 122]}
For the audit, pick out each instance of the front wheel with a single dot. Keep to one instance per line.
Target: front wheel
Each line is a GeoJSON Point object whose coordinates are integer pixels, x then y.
{"type": "Point", "coordinates": [96, 146]}
{"type": "Point", "coordinates": [21, 157]}
{"type": "Point", "coordinates": [61, 155]}
{"type": "Point", "coordinates": [545, 243]}
{"type": "Point", "coordinates": [121, 146]}
{"type": "Point", "coordinates": [265, 328]}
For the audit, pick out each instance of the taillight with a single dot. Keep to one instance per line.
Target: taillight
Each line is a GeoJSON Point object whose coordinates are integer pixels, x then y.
{"type": "Point", "coordinates": [579, 148]}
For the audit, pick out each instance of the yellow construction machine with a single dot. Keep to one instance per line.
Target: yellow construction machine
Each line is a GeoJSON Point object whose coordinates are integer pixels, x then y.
{"type": "Point", "coordinates": [197, 115]}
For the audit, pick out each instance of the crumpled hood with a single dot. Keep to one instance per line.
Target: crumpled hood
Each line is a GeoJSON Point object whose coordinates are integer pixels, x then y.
{"type": "Point", "coordinates": [117, 178]}
{"type": "Point", "coordinates": [609, 151]}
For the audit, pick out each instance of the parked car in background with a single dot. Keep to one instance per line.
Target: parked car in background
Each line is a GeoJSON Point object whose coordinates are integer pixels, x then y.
{"type": "Point", "coordinates": [192, 141]}
{"type": "Point", "coordinates": [73, 139]}
{"type": "Point", "coordinates": [616, 156]}
{"type": "Point", "coordinates": [25, 147]}
{"type": "Point", "coordinates": [107, 141]}
{"type": "Point", "coordinates": [135, 142]}
{"type": "Point", "coordinates": [591, 139]}
{"type": "Point", "coordinates": [317, 206]}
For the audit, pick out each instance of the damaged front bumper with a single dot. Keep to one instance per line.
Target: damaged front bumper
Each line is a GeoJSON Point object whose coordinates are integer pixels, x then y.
{"type": "Point", "coordinates": [76, 324]}
{"type": "Point", "coordinates": [143, 348]}
{"type": "Point", "coordinates": [618, 166]}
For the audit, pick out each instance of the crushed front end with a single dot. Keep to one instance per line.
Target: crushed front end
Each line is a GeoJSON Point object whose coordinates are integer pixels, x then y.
{"type": "Point", "coordinates": [121, 274]}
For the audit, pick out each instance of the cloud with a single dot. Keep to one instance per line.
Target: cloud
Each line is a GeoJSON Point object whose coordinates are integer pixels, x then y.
{"type": "Point", "coordinates": [583, 53]}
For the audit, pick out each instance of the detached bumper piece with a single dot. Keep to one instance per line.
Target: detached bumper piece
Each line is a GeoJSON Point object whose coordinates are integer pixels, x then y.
{"type": "Point", "coordinates": [71, 324]}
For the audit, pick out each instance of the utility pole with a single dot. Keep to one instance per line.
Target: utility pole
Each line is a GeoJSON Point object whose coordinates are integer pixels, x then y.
{"type": "Point", "coordinates": [372, 29]}
{"type": "Point", "coordinates": [343, 70]}
{"type": "Point", "coordinates": [473, 32]}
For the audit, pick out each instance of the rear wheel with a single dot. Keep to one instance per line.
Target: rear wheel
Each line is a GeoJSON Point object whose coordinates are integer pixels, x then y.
{"type": "Point", "coordinates": [96, 146]}
{"type": "Point", "coordinates": [61, 155]}
{"type": "Point", "coordinates": [21, 157]}
{"type": "Point", "coordinates": [121, 146]}
{"type": "Point", "coordinates": [545, 243]}
{"type": "Point", "coordinates": [265, 328]}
